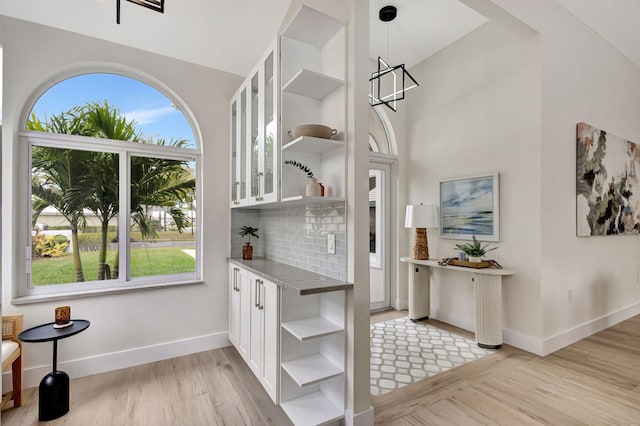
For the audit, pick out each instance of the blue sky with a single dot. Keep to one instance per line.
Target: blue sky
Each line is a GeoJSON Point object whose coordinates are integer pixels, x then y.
{"type": "Point", "coordinates": [152, 111]}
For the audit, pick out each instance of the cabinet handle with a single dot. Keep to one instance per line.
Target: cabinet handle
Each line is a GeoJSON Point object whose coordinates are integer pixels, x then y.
{"type": "Point", "coordinates": [235, 278]}
{"type": "Point", "coordinates": [237, 271]}
{"type": "Point", "coordinates": [262, 295]}
{"type": "Point", "coordinates": [255, 295]}
{"type": "Point", "coordinates": [259, 197]}
{"type": "Point", "coordinates": [236, 195]}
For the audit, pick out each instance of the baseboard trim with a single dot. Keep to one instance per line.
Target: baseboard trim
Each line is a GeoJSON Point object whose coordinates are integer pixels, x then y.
{"type": "Point", "coordinates": [363, 418]}
{"type": "Point", "coordinates": [523, 341]}
{"type": "Point", "coordinates": [582, 331]}
{"type": "Point", "coordinates": [123, 359]}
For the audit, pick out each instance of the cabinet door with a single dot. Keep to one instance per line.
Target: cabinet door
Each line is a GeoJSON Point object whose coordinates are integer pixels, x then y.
{"type": "Point", "coordinates": [239, 139]}
{"type": "Point", "coordinates": [255, 137]}
{"type": "Point", "coordinates": [271, 328]}
{"type": "Point", "coordinates": [234, 306]}
{"type": "Point", "coordinates": [244, 296]}
{"type": "Point", "coordinates": [269, 151]}
{"type": "Point", "coordinates": [255, 328]}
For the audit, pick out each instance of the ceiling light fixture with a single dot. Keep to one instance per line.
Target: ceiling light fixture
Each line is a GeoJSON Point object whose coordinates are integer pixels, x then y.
{"type": "Point", "coordinates": [157, 5]}
{"type": "Point", "coordinates": [385, 88]}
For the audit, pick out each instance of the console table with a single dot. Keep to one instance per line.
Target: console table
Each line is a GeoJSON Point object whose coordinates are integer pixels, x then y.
{"type": "Point", "coordinates": [487, 291]}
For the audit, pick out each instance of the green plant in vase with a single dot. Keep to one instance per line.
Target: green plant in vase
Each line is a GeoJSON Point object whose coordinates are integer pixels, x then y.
{"type": "Point", "coordinates": [247, 248]}
{"type": "Point", "coordinates": [313, 188]}
{"type": "Point", "coordinates": [474, 250]}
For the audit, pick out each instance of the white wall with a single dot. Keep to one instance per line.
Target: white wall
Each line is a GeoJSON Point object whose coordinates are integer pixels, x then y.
{"type": "Point", "coordinates": [477, 110]}
{"type": "Point", "coordinates": [509, 102]}
{"type": "Point", "coordinates": [132, 327]}
{"type": "Point", "coordinates": [583, 79]}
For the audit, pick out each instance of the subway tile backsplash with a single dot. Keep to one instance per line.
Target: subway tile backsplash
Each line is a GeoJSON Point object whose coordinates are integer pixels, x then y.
{"type": "Point", "coordinates": [296, 236]}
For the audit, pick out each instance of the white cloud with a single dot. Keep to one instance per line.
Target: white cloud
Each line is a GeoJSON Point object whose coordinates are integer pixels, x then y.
{"type": "Point", "coordinates": [147, 116]}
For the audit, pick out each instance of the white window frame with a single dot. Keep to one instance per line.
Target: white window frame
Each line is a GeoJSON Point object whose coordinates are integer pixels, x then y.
{"type": "Point", "coordinates": [125, 149]}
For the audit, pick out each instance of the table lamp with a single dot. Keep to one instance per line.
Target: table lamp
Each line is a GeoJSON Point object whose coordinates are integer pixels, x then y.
{"type": "Point", "coordinates": [421, 216]}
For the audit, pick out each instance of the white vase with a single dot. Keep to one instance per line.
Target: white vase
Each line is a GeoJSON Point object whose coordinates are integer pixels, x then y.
{"type": "Point", "coordinates": [475, 259]}
{"type": "Point", "coordinates": [313, 188]}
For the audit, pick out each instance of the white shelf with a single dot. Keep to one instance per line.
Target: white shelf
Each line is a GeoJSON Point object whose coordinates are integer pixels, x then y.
{"type": "Point", "coordinates": [310, 328]}
{"type": "Point", "coordinates": [312, 84]}
{"type": "Point", "coordinates": [311, 409]}
{"type": "Point", "coordinates": [311, 369]}
{"type": "Point", "coordinates": [312, 27]}
{"type": "Point", "coordinates": [312, 145]}
{"type": "Point", "coordinates": [304, 200]}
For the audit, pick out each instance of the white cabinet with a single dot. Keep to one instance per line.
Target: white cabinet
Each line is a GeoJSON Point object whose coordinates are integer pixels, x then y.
{"type": "Point", "coordinates": [255, 134]}
{"type": "Point", "coordinates": [263, 327]}
{"type": "Point", "coordinates": [239, 309]}
{"type": "Point", "coordinates": [313, 72]}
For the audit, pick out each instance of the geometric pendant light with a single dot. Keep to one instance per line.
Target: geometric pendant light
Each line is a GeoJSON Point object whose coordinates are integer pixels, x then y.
{"type": "Point", "coordinates": [156, 5]}
{"type": "Point", "coordinates": [389, 83]}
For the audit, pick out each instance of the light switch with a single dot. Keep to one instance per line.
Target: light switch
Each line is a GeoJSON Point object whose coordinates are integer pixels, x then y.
{"type": "Point", "coordinates": [331, 243]}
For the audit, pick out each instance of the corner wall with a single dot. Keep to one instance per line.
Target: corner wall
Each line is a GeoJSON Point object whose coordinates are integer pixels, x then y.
{"type": "Point", "coordinates": [477, 110]}
{"type": "Point", "coordinates": [133, 327]}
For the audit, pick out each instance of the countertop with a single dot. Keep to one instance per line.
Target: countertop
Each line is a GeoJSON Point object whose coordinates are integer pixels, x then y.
{"type": "Point", "coordinates": [305, 282]}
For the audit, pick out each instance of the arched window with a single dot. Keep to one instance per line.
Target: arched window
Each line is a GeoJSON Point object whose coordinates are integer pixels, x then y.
{"type": "Point", "coordinates": [114, 194]}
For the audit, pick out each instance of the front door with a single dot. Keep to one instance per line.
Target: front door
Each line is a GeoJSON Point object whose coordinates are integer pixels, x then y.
{"type": "Point", "coordinates": [379, 231]}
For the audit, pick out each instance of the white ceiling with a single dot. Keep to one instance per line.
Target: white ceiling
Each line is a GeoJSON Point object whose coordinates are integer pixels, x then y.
{"type": "Point", "coordinates": [422, 28]}
{"type": "Point", "coordinates": [618, 21]}
{"type": "Point", "coordinates": [226, 35]}
{"type": "Point", "coordinates": [231, 35]}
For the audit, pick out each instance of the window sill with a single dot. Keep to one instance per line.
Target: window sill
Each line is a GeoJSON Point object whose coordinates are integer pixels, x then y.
{"type": "Point", "coordinates": [25, 300]}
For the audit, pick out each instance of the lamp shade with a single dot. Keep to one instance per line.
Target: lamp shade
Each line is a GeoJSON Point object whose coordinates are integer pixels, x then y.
{"type": "Point", "coordinates": [422, 216]}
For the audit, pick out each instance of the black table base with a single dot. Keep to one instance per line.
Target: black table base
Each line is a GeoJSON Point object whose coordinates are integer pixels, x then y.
{"type": "Point", "coordinates": [54, 396]}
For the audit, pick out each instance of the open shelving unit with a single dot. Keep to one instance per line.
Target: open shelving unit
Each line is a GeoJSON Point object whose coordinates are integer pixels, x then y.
{"type": "Point", "coordinates": [313, 73]}
{"type": "Point", "coordinates": [311, 369]}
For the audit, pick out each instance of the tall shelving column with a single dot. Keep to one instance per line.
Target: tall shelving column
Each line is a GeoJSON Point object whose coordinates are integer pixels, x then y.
{"type": "Point", "coordinates": [313, 72]}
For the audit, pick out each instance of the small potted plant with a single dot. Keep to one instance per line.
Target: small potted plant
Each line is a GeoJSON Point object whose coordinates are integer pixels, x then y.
{"type": "Point", "coordinates": [313, 188]}
{"type": "Point", "coordinates": [474, 250]}
{"type": "Point", "coordinates": [247, 248]}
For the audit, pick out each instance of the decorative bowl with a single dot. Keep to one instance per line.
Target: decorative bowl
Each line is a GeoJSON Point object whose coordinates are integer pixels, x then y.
{"type": "Point", "coordinates": [313, 130]}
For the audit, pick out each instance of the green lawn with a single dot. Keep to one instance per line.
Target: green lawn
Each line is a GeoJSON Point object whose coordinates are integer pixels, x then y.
{"type": "Point", "coordinates": [144, 262]}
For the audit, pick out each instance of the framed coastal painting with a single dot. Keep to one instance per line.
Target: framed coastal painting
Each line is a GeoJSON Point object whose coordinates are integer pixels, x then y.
{"type": "Point", "coordinates": [470, 206]}
{"type": "Point", "coordinates": [607, 183]}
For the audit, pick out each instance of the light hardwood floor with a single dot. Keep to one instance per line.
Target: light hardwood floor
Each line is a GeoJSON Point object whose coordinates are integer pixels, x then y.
{"type": "Point", "coordinates": [594, 381]}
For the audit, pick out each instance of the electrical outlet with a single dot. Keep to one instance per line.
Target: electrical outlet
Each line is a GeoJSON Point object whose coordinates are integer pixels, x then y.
{"type": "Point", "coordinates": [331, 243]}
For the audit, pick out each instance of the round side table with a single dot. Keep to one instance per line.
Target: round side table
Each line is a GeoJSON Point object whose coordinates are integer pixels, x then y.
{"type": "Point", "coordinates": [53, 399]}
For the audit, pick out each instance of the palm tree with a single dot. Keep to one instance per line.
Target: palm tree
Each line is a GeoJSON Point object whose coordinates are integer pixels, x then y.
{"type": "Point", "coordinates": [55, 171]}
{"type": "Point", "coordinates": [155, 182]}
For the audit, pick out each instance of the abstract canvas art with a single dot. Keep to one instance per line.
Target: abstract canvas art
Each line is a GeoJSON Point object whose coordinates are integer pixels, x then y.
{"type": "Point", "coordinates": [470, 206]}
{"type": "Point", "coordinates": [607, 187]}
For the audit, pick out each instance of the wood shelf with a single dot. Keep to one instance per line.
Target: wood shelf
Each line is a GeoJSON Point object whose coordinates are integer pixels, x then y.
{"type": "Point", "coordinates": [311, 328]}
{"type": "Point", "coordinates": [312, 145]}
{"type": "Point", "coordinates": [324, 27]}
{"type": "Point", "coordinates": [312, 84]}
{"type": "Point", "coordinates": [311, 369]}
{"type": "Point", "coordinates": [312, 409]}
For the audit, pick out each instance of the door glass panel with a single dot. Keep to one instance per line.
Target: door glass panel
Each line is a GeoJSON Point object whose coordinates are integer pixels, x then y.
{"type": "Point", "coordinates": [255, 140]}
{"type": "Point", "coordinates": [243, 144]}
{"type": "Point", "coordinates": [234, 156]}
{"type": "Point", "coordinates": [163, 221]}
{"type": "Point", "coordinates": [375, 200]}
{"type": "Point", "coordinates": [269, 125]}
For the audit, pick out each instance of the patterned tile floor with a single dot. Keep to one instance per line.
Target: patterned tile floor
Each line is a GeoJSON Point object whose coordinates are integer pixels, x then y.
{"type": "Point", "coordinates": [404, 352]}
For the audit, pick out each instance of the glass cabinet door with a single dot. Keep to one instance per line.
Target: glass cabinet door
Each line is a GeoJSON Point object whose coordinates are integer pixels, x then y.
{"type": "Point", "coordinates": [242, 147]}
{"type": "Point", "coordinates": [255, 139]}
{"type": "Point", "coordinates": [269, 131]}
{"type": "Point", "coordinates": [234, 153]}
